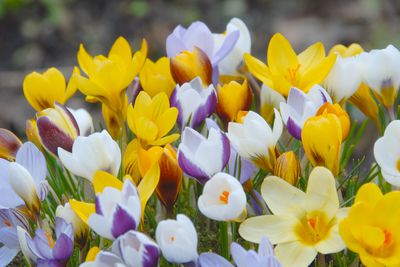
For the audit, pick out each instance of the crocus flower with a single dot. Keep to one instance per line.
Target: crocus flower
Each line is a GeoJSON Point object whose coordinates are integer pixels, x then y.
{"type": "Point", "coordinates": [232, 98]}
{"type": "Point", "coordinates": [42, 90]}
{"type": "Point", "coordinates": [371, 227]}
{"type": "Point", "coordinates": [322, 140]}
{"type": "Point", "coordinates": [230, 64]}
{"type": "Point", "coordinates": [155, 77]}
{"type": "Point", "coordinates": [301, 106]}
{"type": "Point", "coordinates": [387, 153]}
{"type": "Point", "coordinates": [255, 140]}
{"type": "Point", "coordinates": [223, 199]}
{"type": "Point", "coordinates": [177, 240]}
{"type": "Point", "coordinates": [84, 121]}
{"type": "Point", "coordinates": [81, 229]}
{"type": "Point", "coordinates": [288, 167]}
{"type": "Point", "coordinates": [116, 210]}
{"type": "Point", "coordinates": [194, 102]}
{"type": "Point", "coordinates": [269, 100]}
{"type": "Point", "coordinates": [44, 251]}
{"type": "Point", "coordinates": [286, 69]}
{"type": "Point", "coordinates": [90, 154]}
{"type": "Point", "coordinates": [9, 144]}
{"type": "Point", "coordinates": [303, 224]}
{"type": "Point", "coordinates": [151, 119]}
{"type": "Point", "coordinates": [57, 127]}
{"type": "Point", "coordinates": [202, 157]}
{"type": "Point", "coordinates": [342, 115]}
{"type": "Point", "coordinates": [380, 69]}
{"type": "Point", "coordinates": [24, 181]}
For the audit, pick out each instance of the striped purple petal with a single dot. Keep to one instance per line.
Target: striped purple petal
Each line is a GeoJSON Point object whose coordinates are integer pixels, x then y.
{"type": "Point", "coordinates": [122, 222]}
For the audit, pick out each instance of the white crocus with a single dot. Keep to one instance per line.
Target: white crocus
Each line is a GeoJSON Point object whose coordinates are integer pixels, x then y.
{"type": "Point", "coordinates": [177, 240]}
{"type": "Point", "coordinates": [81, 229]}
{"type": "Point", "coordinates": [344, 78]}
{"type": "Point", "coordinates": [84, 120]}
{"type": "Point", "coordinates": [387, 153]}
{"type": "Point", "coordinates": [223, 198]}
{"type": "Point", "coordinates": [269, 100]}
{"type": "Point", "coordinates": [230, 64]}
{"type": "Point", "coordinates": [90, 154]}
{"type": "Point", "coordinates": [255, 140]}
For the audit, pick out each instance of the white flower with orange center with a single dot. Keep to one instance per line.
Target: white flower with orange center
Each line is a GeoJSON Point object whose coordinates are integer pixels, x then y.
{"type": "Point", "coordinates": [304, 223]}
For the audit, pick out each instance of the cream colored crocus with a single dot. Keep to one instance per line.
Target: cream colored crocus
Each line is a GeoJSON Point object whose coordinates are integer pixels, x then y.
{"type": "Point", "coordinates": [223, 199]}
{"type": "Point", "coordinates": [303, 224]}
{"type": "Point", "coordinates": [255, 140]}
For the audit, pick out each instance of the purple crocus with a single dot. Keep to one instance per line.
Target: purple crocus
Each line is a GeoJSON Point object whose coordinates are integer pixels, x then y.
{"type": "Point", "coordinates": [202, 157]}
{"type": "Point", "coordinates": [133, 249]}
{"type": "Point", "coordinates": [194, 102]}
{"type": "Point", "coordinates": [10, 219]}
{"type": "Point", "coordinates": [199, 35]}
{"type": "Point", "coordinates": [301, 106]}
{"type": "Point", "coordinates": [45, 251]}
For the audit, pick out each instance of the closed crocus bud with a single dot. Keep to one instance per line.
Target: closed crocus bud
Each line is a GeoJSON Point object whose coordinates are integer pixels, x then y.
{"type": "Point", "coordinates": [232, 98]}
{"type": "Point", "coordinates": [188, 65]}
{"type": "Point", "coordinates": [155, 77]}
{"type": "Point", "coordinates": [97, 151]}
{"type": "Point", "coordinates": [340, 113]}
{"type": "Point", "coordinates": [194, 102]}
{"type": "Point", "coordinates": [223, 199]}
{"type": "Point", "coordinates": [287, 167]}
{"type": "Point", "coordinates": [84, 121]}
{"type": "Point", "coordinates": [81, 229]}
{"type": "Point", "coordinates": [57, 127]}
{"type": "Point", "coordinates": [177, 240]}
{"type": "Point", "coordinates": [170, 177]}
{"type": "Point", "coordinates": [322, 139]}
{"type": "Point", "coordinates": [9, 144]}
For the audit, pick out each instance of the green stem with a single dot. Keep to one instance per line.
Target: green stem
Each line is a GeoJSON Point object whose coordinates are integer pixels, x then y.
{"type": "Point", "coordinates": [223, 234]}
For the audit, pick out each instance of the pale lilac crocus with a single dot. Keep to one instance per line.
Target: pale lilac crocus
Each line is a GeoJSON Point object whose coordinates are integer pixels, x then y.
{"type": "Point", "coordinates": [301, 106]}
{"type": "Point", "coordinates": [44, 251]}
{"type": "Point", "coordinates": [202, 157]}
{"type": "Point", "coordinates": [24, 181]}
{"type": "Point", "coordinates": [9, 244]}
{"type": "Point", "coordinates": [199, 35]}
{"type": "Point", "coordinates": [194, 102]}
{"type": "Point", "coordinates": [132, 249]}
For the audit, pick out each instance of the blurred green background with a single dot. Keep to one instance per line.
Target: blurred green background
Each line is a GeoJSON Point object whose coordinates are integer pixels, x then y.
{"type": "Point", "coordinates": [37, 34]}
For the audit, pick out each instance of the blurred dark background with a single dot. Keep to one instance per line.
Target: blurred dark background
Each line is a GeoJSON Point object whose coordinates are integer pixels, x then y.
{"type": "Point", "coordinates": [37, 34]}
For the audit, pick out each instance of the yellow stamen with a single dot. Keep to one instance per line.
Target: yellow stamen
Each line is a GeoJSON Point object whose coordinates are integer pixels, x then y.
{"type": "Point", "coordinates": [49, 239]}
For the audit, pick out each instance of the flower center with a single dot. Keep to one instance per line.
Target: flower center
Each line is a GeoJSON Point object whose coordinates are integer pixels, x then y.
{"type": "Point", "coordinates": [313, 228]}
{"type": "Point", "coordinates": [293, 72]}
{"type": "Point", "coordinates": [50, 240]}
{"type": "Point", "coordinates": [224, 197]}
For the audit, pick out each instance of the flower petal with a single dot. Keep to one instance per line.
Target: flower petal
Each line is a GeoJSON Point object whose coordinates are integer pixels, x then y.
{"type": "Point", "coordinates": [295, 254]}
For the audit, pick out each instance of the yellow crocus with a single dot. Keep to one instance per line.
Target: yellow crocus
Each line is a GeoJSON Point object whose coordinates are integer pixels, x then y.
{"type": "Point", "coordinates": [303, 223]}
{"type": "Point", "coordinates": [42, 90]}
{"type": "Point", "coordinates": [151, 119]}
{"type": "Point", "coordinates": [371, 228]}
{"type": "Point", "coordinates": [346, 51]}
{"type": "Point", "coordinates": [232, 98]}
{"type": "Point", "coordinates": [107, 77]}
{"type": "Point", "coordinates": [287, 167]}
{"type": "Point", "coordinates": [322, 138]}
{"type": "Point", "coordinates": [286, 69]}
{"type": "Point", "coordinates": [340, 113]}
{"type": "Point", "coordinates": [155, 77]}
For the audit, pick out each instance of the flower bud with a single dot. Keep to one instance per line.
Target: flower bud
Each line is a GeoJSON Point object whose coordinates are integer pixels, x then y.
{"type": "Point", "coordinates": [155, 77]}
{"type": "Point", "coordinates": [287, 167]}
{"type": "Point", "coordinates": [32, 133]}
{"type": "Point", "coordinates": [81, 229]}
{"type": "Point", "coordinates": [57, 127]}
{"type": "Point", "coordinates": [340, 113]}
{"type": "Point", "coordinates": [9, 144]}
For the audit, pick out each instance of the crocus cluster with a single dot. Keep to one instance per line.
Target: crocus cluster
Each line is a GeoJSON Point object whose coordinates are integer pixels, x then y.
{"type": "Point", "coordinates": [207, 157]}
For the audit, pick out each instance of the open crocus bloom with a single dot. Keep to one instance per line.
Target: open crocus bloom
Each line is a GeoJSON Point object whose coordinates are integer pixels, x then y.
{"type": "Point", "coordinates": [177, 239]}
{"type": "Point", "coordinates": [90, 154]}
{"type": "Point", "coordinates": [301, 106]}
{"type": "Point", "coordinates": [116, 210]}
{"type": "Point", "coordinates": [387, 153]}
{"type": "Point", "coordinates": [230, 64]}
{"type": "Point", "coordinates": [371, 228]}
{"type": "Point", "coordinates": [303, 224]}
{"type": "Point", "coordinates": [24, 181]}
{"type": "Point", "coordinates": [194, 102]}
{"type": "Point", "coordinates": [43, 250]}
{"type": "Point", "coordinates": [223, 198]}
{"type": "Point", "coordinates": [255, 140]}
{"type": "Point", "coordinates": [202, 157]}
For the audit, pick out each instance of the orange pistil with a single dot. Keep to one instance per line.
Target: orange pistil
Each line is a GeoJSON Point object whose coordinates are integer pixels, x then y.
{"type": "Point", "coordinates": [388, 237]}
{"type": "Point", "coordinates": [224, 197]}
{"type": "Point", "coordinates": [312, 222]}
{"type": "Point", "coordinates": [293, 72]}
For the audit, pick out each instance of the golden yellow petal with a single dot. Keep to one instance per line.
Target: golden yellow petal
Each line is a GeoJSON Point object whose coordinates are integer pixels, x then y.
{"type": "Point", "coordinates": [280, 55]}
{"type": "Point", "coordinates": [104, 179]}
{"type": "Point", "coordinates": [82, 209]}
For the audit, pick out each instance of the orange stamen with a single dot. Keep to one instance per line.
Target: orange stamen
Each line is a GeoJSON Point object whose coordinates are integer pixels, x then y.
{"type": "Point", "coordinates": [224, 197]}
{"type": "Point", "coordinates": [312, 222]}
{"type": "Point", "coordinates": [388, 237]}
{"type": "Point", "coordinates": [293, 72]}
{"type": "Point", "coordinates": [50, 239]}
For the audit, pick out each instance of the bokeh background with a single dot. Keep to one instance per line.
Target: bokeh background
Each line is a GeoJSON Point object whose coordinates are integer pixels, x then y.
{"type": "Point", "coordinates": [37, 34]}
